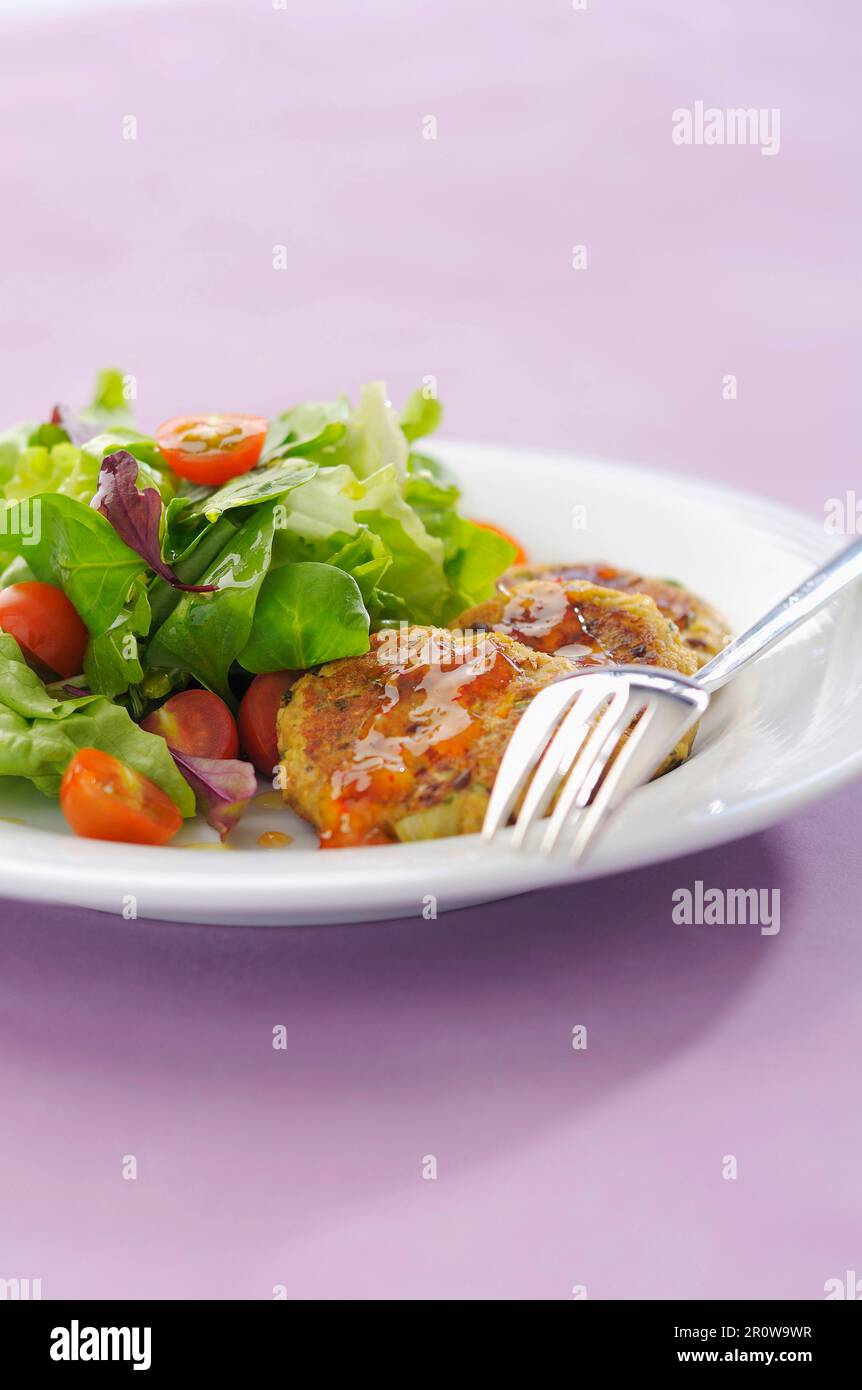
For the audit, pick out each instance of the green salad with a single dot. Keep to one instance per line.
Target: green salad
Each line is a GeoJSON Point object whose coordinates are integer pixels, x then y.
{"type": "Point", "coordinates": [137, 567]}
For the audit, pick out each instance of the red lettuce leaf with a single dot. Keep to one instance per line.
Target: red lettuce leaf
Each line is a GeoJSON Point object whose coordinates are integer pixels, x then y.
{"type": "Point", "coordinates": [223, 787]}
{"type": "Point", "coordinates": [136, 515]}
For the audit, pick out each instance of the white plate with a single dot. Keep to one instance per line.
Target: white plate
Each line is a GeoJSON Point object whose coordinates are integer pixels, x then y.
{"type": "Point", "coordinates": [782, 735]}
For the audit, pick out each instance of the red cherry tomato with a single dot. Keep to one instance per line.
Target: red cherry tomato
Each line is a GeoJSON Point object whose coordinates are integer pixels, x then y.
{"type": "Point", "coordinates": [520, 558]}
{"type": "Point", "coordinates": [257, 712]}
{"type": "Point", "coordinates": [45, 625]}
{"type": "Point", "coordinates": [102, 799]}
{"type": "Point", "coordinates": [211, 449]}
{"type": "Point", "coordinates": [195, 722]}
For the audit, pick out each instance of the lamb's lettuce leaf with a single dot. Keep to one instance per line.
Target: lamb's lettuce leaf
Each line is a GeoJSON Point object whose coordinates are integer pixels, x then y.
{"type": "Point", "coordinates": [186, 513]}
{"type": "Point", "coordinates": [306, 614]}
{"type": "Point", "coordinates": [16, 571]}
{"type": "Point", "coordinates": [205, 632]}
{"type": "Point", "coordinates": [112, 661]}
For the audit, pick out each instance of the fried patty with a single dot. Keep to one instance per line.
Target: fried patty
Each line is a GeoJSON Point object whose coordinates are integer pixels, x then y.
{"type": "Point", "coordinates": [701, 627]}
{"type": "Point", "coordinates": [596, 625]}
{"type": "Point", "coordinates": [405, 741]}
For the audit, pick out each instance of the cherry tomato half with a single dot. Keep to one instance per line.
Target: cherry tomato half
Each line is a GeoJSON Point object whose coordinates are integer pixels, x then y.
{"type": "Point", "coordinates": [257, 711]}
{"type": "Point", "coordinates": [45, 625]}
{"type": "Point", "coordinates": [195, 722]}
{"type": "Point", "coordinates": [521, 557]}
{"type": "Point", "coordinates": [102, 799]}
{"type": "Point", "coordinates": [211, 449]}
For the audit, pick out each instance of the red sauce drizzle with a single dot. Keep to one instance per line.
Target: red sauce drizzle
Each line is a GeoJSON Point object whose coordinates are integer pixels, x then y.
{"type": "Point", "coordinates": [425, 711]}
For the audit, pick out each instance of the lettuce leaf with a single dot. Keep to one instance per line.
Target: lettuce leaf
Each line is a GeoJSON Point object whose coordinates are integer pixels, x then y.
{"type": "Point", "coordinates": [205, 632]}
{"type": "Point", "coordinates": [153, 470]}
{"type": "Point", "coordinates": [223, 787]}
{"type": "Point", "coordinates": [135, 514]}
{"type": "Point", "coordinates": [40, 733]}
{"type": "Point", "coordinates": [64, 469]}
{"type": "Point", "coordinates": [112, 660]}
{"type": "Point", "coordinates": [306, 614]}
{"type": "Point", "coordinates": [22, 691]}
{"type": "Point", "coordinates": [421, 416]}
{"type": "Point", "coordinates": [80, 552]}
{"type": "Point", "coordinates": [306, 429]}
{"type": "Point", "coordinates": [374, 439]}
{"type": "Point", "coordinates": [108, 404]}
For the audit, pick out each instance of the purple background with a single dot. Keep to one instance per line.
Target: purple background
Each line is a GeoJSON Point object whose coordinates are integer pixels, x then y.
{"type": "Point", "coordinates": [450, 257]}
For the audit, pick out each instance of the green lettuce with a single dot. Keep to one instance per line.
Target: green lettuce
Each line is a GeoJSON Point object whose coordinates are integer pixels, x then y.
{"type": "Point", "coordinates": [80, 552]}
{"type": "Point", "coordinates": [40, 733]}
{"type": "Point", "coordinates": [306, 429]}
{"type": "Point", "coordinates": [109, 404]}
{"type": "Point", "coordinates": [421, 415]}
{"type": "Point", "coordinates": [63, 469]}
{"type": "Point", "coordinates": [35, 459]}
{"type": "Point", "coordinates": [205, 633]}
{"type": "Point", "coordinates": [112, 661]}
{"type": "Point", "coordinates": [306, 614]}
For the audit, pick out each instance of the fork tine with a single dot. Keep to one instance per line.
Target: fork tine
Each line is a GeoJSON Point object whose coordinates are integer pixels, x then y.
{"type": "Point", "coordinates": [524, 749]}
{"type": "Point", "coordinates": [559, 758]}
{"type": "Point", "coordinates": [670, 727]}
{"type": "Point", "coordinates": [596, 815]}
{"type": "Point", "coordinates": [589, 766]}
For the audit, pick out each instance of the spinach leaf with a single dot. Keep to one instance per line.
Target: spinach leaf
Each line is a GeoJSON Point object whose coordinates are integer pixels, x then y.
{"type": "Point", "coordinates": [307, 613]}
{"type": "Point", "coordinates": [80, 552]}
{"type": "Point", "coordinates": [205, 633]}
{"type": "Point", "coordinates": [111, 661]}
{"type": "Point", "coordinates": [16, 572]}
{"type": "Point", "coordinates": [260, 485]}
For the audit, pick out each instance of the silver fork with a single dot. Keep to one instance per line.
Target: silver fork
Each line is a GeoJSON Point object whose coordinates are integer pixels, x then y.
{"type": "Point", "coordinates": [590, 738]}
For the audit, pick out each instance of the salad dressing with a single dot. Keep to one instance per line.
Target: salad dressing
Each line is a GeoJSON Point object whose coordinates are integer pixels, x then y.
{"type": "Point", "coordinates": [274, 839]}
{"type": "Point", "coordinates": [423, 709]}
{"type": "Point", "coordinates": [550, 621]}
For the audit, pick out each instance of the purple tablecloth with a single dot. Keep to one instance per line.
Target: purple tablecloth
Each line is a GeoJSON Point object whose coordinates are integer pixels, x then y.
{"type": "Point", "coordinates": [407, 256]}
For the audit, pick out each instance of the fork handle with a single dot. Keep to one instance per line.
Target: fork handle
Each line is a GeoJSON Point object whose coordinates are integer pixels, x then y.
{"type": "Point", "coordinates": [811, 594]}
